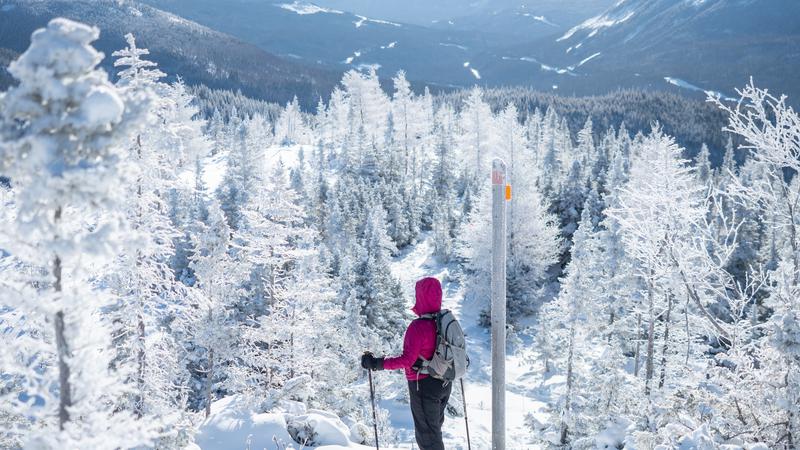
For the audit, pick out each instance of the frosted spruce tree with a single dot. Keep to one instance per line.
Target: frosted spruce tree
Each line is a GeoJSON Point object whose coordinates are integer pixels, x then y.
{"type": "Point", "coordinates": [665, 231]}
{"type": "Point", "coordinates": [570, 334]}
{"type": "Point", "coordinates": [65, 130]}
{"type": "Point", "coordinates": [291, 128]}
{"type": "Point", "coordinates": [219, 278]}
{"type": "Point", "coordinates": [771, 131]}
{"type": "Point", "coordinates": [476, 137]}
{"type": "Point", "coordinates": [242, 175]}
{"type": "Point", "coordinates": [533, 242]}
{"type": "Point", "coordinates": [151, 297]}
{"type": "Point", "coordinates": [443, 196]}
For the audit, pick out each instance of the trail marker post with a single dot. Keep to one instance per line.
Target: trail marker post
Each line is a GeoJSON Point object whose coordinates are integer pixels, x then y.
{"type": "Point", "coordinates": [501, 193]}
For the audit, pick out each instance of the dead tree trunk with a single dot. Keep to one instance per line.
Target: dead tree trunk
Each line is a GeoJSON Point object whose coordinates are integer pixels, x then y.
{"type": "Point", "coordinates": [638, 345]}
{"type": "Point", "coordinates": [140, 367]}
{"type": "Point", "coordinates": [62, 348]}
{"type": "Point", "coordinates": [291, 347]}
{"type": "Point", "coordinates": [663, 376]}
{"type": "Point", "coordinates": [651, 328]}
{"type": "Point", "coordinates": [209, 370]}
{"type": "Point", "coordinates": [140, 328]}
{"type": "Point", "coordinates": [209, 380]}
{"type": "Point", "coordinates": [570, 383]}
{"type": "Point", "coordinates": [696, 299]}
{"type": "Point", "coordinates": [65, 390]}
{"type": "Point", "coordinates": [688, 339]}
{"type": "Point", "coordinates": [611, 319]}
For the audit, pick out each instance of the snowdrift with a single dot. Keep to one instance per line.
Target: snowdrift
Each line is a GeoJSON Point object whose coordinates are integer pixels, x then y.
{"type": "Point", "coordinates": [232, 425]}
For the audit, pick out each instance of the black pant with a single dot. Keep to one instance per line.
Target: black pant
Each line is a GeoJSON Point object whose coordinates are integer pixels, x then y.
{"type": "Point", "coordinates": [429, 398]}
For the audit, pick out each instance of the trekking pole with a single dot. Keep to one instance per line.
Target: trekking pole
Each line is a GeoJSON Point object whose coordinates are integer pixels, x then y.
{"type": "Point", "coordinates": [374, 415]}
{"type": "Point", "coordinates": [466, 421]}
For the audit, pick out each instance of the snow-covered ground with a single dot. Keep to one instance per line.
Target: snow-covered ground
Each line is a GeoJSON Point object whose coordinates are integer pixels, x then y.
{"type": "Point", "coordinates": [599, 22]}
{"type": "Point", "coordinates": [541, 19]}
{"type": "Point", "coordinates": [232, 425]}
{"type": "Point", "coordinates": [214, 165]}
{"type": "Point", "coordinates": [686, 85]}
{"type": "Point", "coordinates": [303, 8]}
{"type": "Point", "coordinates": [458, 46]}
{"type": "Point", "coordinates": [363, 19]}
{"type": "Point", "coordinates": [525, 388]}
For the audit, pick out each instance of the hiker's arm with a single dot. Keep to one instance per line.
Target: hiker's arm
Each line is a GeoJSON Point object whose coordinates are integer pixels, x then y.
{"type": "Point", "coordinates": [411, 349]}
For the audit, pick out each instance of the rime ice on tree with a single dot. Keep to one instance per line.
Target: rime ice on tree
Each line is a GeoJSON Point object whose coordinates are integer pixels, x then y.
{"type": "Point", "coordinates": [64, 128]}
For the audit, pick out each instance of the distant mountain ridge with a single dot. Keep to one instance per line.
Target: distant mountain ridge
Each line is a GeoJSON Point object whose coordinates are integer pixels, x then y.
{"type": "Point", "coordinates": [705, 45]}
{"type": "Point", "coordinates": [181, 47]}
{"type": "Point", "coordinates": [274, 49]}
{"type": "Point", "coordinates": [321, 34]}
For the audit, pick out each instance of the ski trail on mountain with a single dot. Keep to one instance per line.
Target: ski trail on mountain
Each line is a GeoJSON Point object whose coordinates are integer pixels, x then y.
{"type": "Point", "coordinates": [524, 389]}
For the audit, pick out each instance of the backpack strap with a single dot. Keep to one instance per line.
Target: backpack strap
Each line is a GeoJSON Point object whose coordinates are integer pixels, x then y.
{"type": "Point", "coordinates": [421, 365]}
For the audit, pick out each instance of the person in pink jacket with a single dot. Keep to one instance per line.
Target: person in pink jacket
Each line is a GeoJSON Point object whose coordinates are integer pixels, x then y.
{"type": "Point", "coordinates": [428, 395]}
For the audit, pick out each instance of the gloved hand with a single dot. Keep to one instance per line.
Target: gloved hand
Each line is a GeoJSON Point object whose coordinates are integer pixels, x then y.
{"type": "Point", "coordinates": [370, 362]}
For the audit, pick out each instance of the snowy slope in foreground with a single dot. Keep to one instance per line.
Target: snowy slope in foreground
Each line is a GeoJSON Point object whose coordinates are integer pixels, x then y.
{"type": "Point", "coordinates": [232, 426]}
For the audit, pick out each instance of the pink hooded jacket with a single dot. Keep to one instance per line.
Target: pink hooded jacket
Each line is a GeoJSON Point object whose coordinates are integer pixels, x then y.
{"type": "Point", "coordinates": [420, 338]}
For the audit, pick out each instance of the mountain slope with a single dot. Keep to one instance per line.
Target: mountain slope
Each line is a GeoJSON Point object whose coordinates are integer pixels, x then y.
{"type": "Point", "coordinates": [515, 21]}
{"type": "Point", "coordinates": [702, 44]}
{"type": "Point", "coordinates": [182, 48]}
{"type": "Point", "coordinates": [444, 51]}
{"type": "Point", "coordinates": [340, 40]}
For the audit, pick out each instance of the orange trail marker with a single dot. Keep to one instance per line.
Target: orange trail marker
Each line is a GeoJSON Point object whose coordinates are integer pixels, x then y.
{"type": "Point", "coordinates": [508, 192]}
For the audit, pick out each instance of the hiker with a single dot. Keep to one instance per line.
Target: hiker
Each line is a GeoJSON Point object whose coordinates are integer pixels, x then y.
{"type": "Point", "coordinates": [428, 395]}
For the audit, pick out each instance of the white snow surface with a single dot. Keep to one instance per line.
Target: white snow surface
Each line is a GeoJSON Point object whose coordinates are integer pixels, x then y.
{"type": "Point", "coordinates": [303, 8]}
{"type": "Point", "coordinates": [363, 19]}
{"type": "Point", "coordinates": [102, 107]}
{"type": "Point", "coordinates": [448, 44]}
{"type": "Point", "coordinates": [214, 166]}
{"type": "Point", "coordinates": [232, 426]}
{"type": "Point", "coordinates": [585, 60]}
{"type": "Point", "coordinates": [542, 19]}
{"type": "Point", "coordinates": [595, 24]}
{"type": "Point", "coordinates": [686, 85]}
{"type": "Point", "coordinates": [546, 67]}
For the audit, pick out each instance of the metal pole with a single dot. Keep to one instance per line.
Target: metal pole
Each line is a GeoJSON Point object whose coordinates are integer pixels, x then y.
{"type": "Point", "coordinates": [499, 197]}
{"type": "Point", "coordinates": [466, 420]}
{"type": "Point", "coordinates": [374, 415]}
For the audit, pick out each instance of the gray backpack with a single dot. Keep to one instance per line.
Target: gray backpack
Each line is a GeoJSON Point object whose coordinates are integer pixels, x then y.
{"type": "Point", "coordinates": [450, 360]}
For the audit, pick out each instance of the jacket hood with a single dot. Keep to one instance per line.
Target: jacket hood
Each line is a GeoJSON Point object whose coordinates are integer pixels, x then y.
{"type": "Point", "coordinates": [429, 296]}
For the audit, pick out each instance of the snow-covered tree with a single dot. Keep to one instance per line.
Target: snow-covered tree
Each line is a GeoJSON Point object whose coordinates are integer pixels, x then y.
{"type": "Point", "coordinates": [535, 248]}
{"type": "Point", "coordinates": [218, 278]}
{"type": "Point", "coordinates": [771, 131]}
{"type": "Point", "coordinates": [150, 294]}
{"type": "Point", "coordinates": [476, 138]}
{"type": "Point", "coordinates": [65, 129]}
{"type": "Point", "coordinates": [662, 217]}
{"type": "Point", "coordinates": [242, 176]}
{"type": "Point", "coordinates": [291, 128]}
